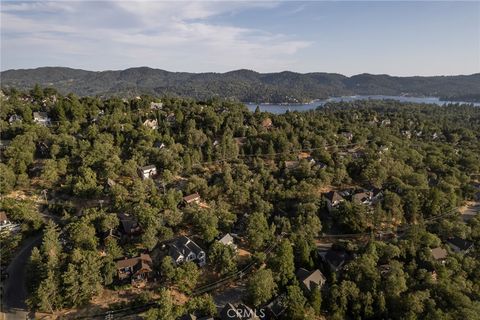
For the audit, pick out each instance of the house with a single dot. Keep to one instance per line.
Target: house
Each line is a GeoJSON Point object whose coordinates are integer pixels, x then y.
{"type": "Point", "coordinates": [147, 172]}
{"type": "Point", "coordinates": [14, 118]}
{"type": "Point", "coordinates": [276, 308]}
{"type": "Point", "coordinates": [41, 118]}
{"type": "Point", "coordinates": [156, 105]}
{"type": "Point", "coordinates": [291, 164]}
{"type": "Point", "coordinates": [228, 240]}
{"type": "Point", "coordinates": [267, 123]}
{"type": "Point", "coordinates": [333, 199]}
{"type": "Point", "coordinates": [152, 124]}
{"type": "Point", "coordinates": [309, 280]}
{"type": "Point", "coordinates": [192, 198]}
{"type": "Point", "coordinates": [134, 269]}
{"type": "Point", "coordinates": [335, 259]}
{"type": "Point", "coordinates": [376, 195]}
{"type": "Point", "coordinates": [182, 249]}
{"type": "Point", "coordinates": [239, 312]}
{"type": "Point", "coordinates": [460, 245]}
{"type": "Point", "coordinates": [363, 197]}
{"type": "Point", "coordinates": [129, 224]}
{"type": "Point", "coordinates": [439, 254]}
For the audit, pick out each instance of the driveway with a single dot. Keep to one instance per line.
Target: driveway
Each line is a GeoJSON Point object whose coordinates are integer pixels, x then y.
{"type": "Point", "coordinates": [14, 290]}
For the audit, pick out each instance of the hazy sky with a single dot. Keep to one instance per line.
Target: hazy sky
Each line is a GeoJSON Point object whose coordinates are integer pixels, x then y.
{"type": "Point", "coordinates": [399, 38]}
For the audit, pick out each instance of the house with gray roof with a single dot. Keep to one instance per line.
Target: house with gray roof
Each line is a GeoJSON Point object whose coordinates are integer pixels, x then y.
{"type": "Point", "coordinates": [309, 280]}
{"type": "Point", "coordinates": [183, 249]}
{"type": "Point", "coordinates": [147, 172]}
{"type": "Point", "coordinates": [41, 118]}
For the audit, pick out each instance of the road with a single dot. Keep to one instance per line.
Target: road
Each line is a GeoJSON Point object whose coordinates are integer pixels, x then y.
{"type": "Point", "coordinates": [14, 290]}
{"type": "Point", "coordinates": [470, 210]}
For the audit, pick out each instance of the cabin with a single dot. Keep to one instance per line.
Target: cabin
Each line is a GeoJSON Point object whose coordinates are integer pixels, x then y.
{"type": "Point", "coordinates": [362, 197]}
{"type": "Point", "coordinates": [228, 240]}
{"type": "Point", "coordinates": [460, 245]}
{"type": "Point", "coordinates": [41, 118]}
{"type": "Point", "coordinates": [128, 225]}
{"type": "Point", "coordinates": [333, 199]}
{"type": "Point", "coordinates": [147, 172]}
{"type": "Point", "coordinates": [134, 269]}
{"type": "Point", "coordinates": [335, 259]}
{"type": "Point", "coordinates": [182, 249]}
{"type": "Point", "coordinates": [310, 280]}
{"type": "Point", "coordinates": [439, 254]}
{"type": "Point", "coordinates": [276, 308]}
{"type": "Point", "coordinates": [192, 198]}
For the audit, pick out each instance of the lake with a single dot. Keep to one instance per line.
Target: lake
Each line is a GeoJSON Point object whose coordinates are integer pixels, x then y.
{"type": "Point", "coordinates": [282, 108]}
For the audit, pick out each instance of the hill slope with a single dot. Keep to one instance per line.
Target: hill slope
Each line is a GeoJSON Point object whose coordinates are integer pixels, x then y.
{"type": "Point", "coordinates": [243, 85]}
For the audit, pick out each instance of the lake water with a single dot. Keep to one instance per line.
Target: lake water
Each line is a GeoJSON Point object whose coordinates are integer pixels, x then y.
{"type": "Point", "coordinates": [282, 108]}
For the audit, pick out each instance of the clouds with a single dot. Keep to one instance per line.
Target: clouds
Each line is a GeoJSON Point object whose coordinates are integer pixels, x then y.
{"type": "Point", "coordinates": [179, 36]}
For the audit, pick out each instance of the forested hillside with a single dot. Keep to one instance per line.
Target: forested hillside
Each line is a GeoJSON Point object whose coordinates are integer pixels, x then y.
{"type": "Point", "coordinates": [364, 197]}
{"type": "Point", "coordinates": [240, 85]}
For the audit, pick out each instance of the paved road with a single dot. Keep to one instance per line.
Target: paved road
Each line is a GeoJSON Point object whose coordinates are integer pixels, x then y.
{"type": "Point", "coordinates": [470, 211]}
{"type": "Point", "coordinates": [14, 291]}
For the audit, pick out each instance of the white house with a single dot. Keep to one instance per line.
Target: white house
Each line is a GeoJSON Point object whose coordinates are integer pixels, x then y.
{"type": "Point", "coordinates": [41, 118]}
{"type": "Point", "coordinates": [147, 172]}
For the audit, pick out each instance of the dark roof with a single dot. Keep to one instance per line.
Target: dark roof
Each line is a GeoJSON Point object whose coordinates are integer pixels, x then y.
{"type": "Point", "coordinates": [439, 253]}
{"type": "Point", "coordinates": [462, 244]}
{"type": "Point", "coordinates": [229, 312]}
{"type": "Point", "coordinates": [129, 223]}
{"type": "Point", "coordinates": [336, 257]}
{"type": "Point", "coordinates": [334, 196]}
{"type": "Point", "coordinates": [183, 246]}
{"type": "Point", "coordinates": [277, 306]}
{"type": "Point", "coordinates": [310, 278]}
{"type": "Point", "coordinates": [138, 263]}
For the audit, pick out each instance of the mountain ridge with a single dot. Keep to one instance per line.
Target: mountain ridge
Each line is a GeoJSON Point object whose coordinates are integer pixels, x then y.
{"type": "Point", "coordinates": [242, 85]}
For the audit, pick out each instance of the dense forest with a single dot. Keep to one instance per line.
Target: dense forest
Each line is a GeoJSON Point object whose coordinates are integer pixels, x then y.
{"type": "Point", "coordinates": [266, 179]}
{"type": "Point", "coordinates": [241, 85]}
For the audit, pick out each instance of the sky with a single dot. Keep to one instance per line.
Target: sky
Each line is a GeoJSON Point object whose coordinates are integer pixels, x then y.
{"type": "Point", "coordinates": [381, 37]}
